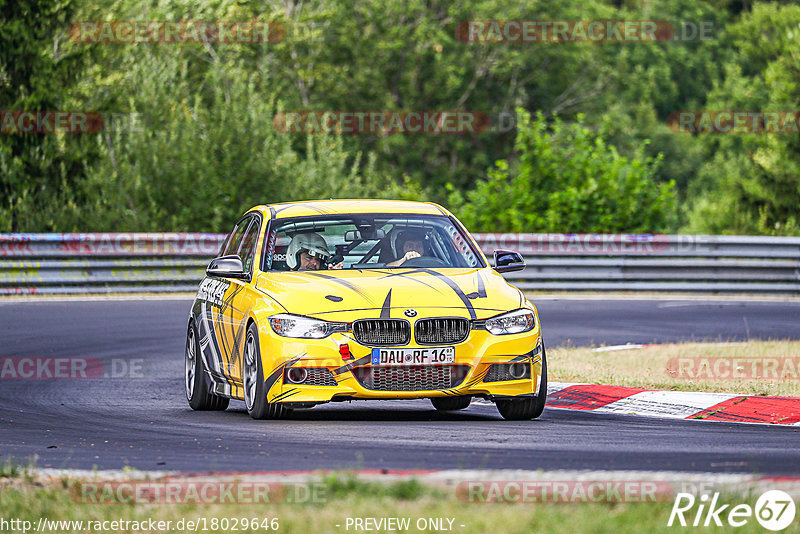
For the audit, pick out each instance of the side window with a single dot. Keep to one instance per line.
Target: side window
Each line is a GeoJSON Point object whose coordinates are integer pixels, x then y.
{"type": "Point", "coordinates": [247, 251]}
{"type": "Point", "coordinates": [235, 238]}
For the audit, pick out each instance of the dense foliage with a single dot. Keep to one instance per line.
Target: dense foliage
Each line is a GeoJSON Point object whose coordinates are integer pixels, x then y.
{"type": "Point", "coordinates": [567, 179]}
{"type": "Point", "coordinates": [189, 140]}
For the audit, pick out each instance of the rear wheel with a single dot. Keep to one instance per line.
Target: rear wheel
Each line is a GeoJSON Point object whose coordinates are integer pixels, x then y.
{"type": "Point", "coordinates": [197, 384]}
{"type": "Point", "coordinates": [255, 394]}
{"type": "Point", "coordinates": [449, 404]}
{"type": "Point", "coordinates": [530, 407]}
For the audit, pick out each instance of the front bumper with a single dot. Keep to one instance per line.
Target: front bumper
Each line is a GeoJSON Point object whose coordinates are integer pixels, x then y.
{"type": "Point", "coordinates": [473, 357]}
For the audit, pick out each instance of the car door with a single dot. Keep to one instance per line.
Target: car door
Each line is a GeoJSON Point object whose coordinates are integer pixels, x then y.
{"type": "Point", "coordinates": [218, 315]}
{"type": "Point", "coordinates": [213, 298]}
{"type": "Point", "coordinates": [235, 318]}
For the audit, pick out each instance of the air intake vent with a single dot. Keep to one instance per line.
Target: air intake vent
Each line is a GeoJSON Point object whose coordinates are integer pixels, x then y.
{"type": "Point", "coordinates": [411, 377]}
{"type": "Point", "coordinates": [311, 376]}
{"type": "Point", "coordinates": [444, 330]}
{"type": "Point", "coordinates": [500, 372]}
{"type": "Point", "coordinates": [382, 332]}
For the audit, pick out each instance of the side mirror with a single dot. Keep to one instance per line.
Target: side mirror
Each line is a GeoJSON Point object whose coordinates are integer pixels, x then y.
{"type": "Point", "coordinates": [508, 261]}
{"type": "Point", "coordinates": [227, 267]}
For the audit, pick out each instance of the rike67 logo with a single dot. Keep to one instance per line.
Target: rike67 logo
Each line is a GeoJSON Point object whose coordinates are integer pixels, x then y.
{"type": "Point", "coordinates": [774, 510]}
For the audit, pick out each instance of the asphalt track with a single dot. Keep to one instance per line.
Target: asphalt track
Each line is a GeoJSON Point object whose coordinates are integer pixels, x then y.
{"type": "Point", "coordinates": [145, 422]}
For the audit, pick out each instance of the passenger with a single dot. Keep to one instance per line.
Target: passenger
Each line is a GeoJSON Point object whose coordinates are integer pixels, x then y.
{"type": "Point", "coordinates": [309, 252]}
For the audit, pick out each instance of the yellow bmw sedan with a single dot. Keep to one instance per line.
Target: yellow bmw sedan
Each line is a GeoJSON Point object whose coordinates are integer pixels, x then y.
{"type": "Point", "coordinates": [329, 301]}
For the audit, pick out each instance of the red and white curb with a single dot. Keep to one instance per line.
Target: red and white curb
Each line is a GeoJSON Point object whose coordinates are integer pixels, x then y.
{"type": "Point", "coordinates": [724, 407]}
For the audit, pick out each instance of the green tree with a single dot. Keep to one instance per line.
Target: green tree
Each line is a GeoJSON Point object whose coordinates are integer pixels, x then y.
{"type": "Point", "coordinates": [566, 178]}
{"type": "Point", "coordinates": [37, 69]}
{"type": "Point", "coordinates": [194, 154]}
{"type": "Point", "coordinates": [189, 156]}
{"type": "Point", "coordinates": [749, 183]}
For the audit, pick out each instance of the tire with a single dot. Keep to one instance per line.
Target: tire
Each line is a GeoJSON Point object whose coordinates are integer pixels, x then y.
{"type": "Point", "coordinates": [528, 408]}
{"type": "Point", "coordinates": [255, 395]}
{"type": "Point", "coordinates": [196, 383]}
{"type": "Point", "coordinates": [450, 404]}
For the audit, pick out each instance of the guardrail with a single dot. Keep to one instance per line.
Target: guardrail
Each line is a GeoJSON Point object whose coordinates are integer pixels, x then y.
{"type": "Point", "coordinates": [104, 263]}
{"type": "Point", "coordinates": [173, 262]}
{"type": "Point", "coordinates": [643, 262]}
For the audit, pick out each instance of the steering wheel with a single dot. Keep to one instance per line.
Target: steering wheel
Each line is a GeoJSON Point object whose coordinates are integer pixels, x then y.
{"type": "Point", "coordinates": [424, 261]}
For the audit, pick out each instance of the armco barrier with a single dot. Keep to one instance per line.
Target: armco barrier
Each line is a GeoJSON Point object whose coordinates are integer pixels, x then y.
{"type": "Point", "coordinates": [169, 262]}
{"type": "Point", "coordinates": [104, 263]}
{"type": "Point", "coordinates": [644, 262]}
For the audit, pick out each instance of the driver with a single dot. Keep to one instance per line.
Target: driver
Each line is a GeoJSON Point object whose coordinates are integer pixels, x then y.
{"type": "Point", "coordinates": [308, 252]}
{"type": "Point", "coordinates": [411, 244]}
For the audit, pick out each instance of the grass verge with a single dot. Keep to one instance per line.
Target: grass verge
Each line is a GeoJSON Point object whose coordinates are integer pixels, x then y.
{"type": "Point", "coordinates": [340, 498]}
{"type": "Point", "coordinates": [751, 368]}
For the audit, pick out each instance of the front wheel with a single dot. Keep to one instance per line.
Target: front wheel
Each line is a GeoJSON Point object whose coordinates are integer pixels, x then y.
{"type": "Point", "coordinates": [528, 408]}
{"type": "Point", "coordinates": [255, 394]}
{"type": "Point", "coordinates": [197, 385]}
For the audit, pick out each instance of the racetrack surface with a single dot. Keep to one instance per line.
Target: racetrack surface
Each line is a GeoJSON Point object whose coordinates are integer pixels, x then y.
{"type": "Point", "coordinates": [146, 423]}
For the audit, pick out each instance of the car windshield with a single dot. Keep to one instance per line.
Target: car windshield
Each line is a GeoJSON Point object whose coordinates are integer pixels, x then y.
{"type": "Point", "coordinates": [368, 242]}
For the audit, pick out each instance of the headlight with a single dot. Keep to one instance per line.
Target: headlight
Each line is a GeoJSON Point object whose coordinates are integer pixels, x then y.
{"type": "Point", "coordinates": [288, 325]}
{"type": "Point", "coordinates": [513, 322]}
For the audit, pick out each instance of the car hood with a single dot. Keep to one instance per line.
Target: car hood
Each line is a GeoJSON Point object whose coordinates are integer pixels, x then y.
{"type": "Point", "coordinates": [350, 294]}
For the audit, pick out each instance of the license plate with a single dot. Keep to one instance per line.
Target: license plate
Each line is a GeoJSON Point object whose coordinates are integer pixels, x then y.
{"type": "Point", "coordinates": [418, 356]}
